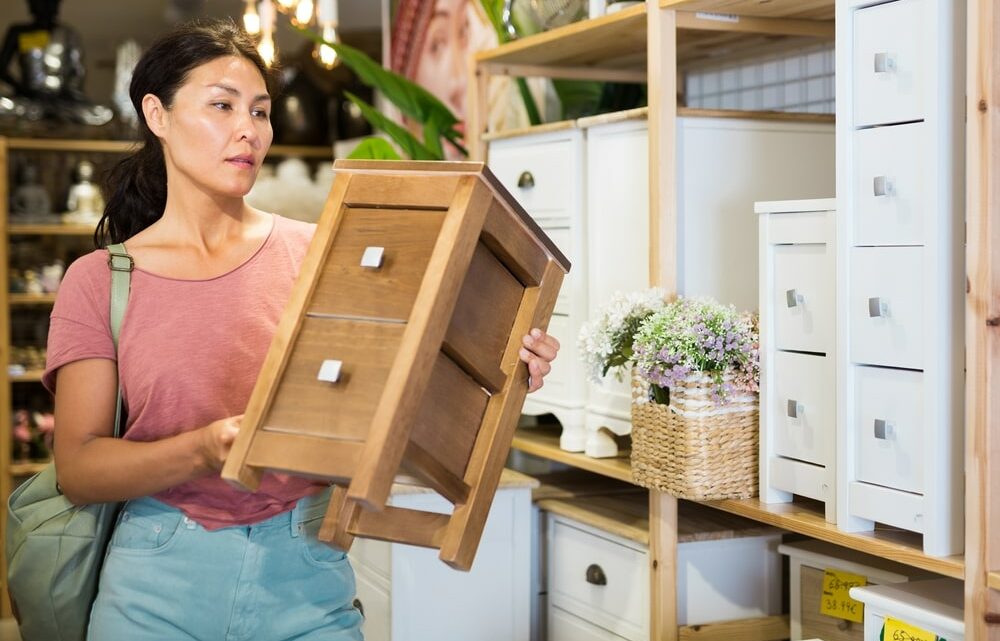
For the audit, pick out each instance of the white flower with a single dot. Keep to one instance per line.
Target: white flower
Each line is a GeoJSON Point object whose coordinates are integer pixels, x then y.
{"type": "Point", "coordinates": [605, 343]}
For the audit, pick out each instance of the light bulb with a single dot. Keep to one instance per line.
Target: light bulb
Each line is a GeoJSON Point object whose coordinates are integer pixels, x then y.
{"type": "Point", "coordinates": [251, 20]}
{"type": "Point", "coordinates": [287, 5]}
{"type": "Point", "coordinates": [266, 49]}
{"type": "Point", "coordinates": [303, 13]}
{"type": "Point", "coordinates": [325, 55]}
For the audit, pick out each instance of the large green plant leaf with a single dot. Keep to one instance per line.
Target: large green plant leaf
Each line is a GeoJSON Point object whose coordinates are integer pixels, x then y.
{"type": "Point", "coordinates": [374, 148]}
{"type": "Point", "coordinates": [399, 134]}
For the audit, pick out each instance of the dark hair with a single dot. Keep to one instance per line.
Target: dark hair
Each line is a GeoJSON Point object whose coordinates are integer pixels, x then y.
{"type": "Point", "coordinates": [136, 188]}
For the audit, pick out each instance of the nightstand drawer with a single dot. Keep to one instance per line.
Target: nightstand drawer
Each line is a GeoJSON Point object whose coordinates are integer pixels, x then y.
{"type": "Point", "coordinates": [601, 580]}
{"type": "Point", "coordinates": [889, 427]}
{"type": "Point", "coordinates": [541, 175]}
{"type": "Point", "coordinates": [803, 298]}
{"type": "Point", "coordinates": [890, 184]}
{"type": "Point", "coordinates": [887, 306]}
{"type": "Point", "coordinates": [817, 625]}
{"type": "Point", "coordinates": [802, 407]}
{"type": "Point", "coordinates": [563, 626]}
{"type": "Point", "coordinates": [890, 62]}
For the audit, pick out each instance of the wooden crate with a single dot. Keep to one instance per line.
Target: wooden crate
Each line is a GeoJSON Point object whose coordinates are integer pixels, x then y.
{"type": "Point", "coordinates": [398, 352]}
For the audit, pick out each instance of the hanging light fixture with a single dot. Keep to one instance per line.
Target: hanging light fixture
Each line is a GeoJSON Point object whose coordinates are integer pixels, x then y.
{"type": "Point", "coordinates": [251, 19]}
{"type": "Point", "coordinates": [303, 13]}
{"type": "Point", "coordinates": [286, 6]}
{"type": "Point", "coordinates": [327, 16]}
{"type": "Point", "coordinates": [266, 45]}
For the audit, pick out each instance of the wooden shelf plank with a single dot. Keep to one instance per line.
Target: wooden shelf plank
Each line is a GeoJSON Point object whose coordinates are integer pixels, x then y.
{"type": "Point", "coordinates": [31, 299]}
{"type": "Point", "coordinates": [50, 230]}
{"type": "Point", "coordinates": [30, 376]}
{"type": "Point", "coordinates": [303, 151]}
{"type": "Point", "coordinates": [544, 443]}
{"type": "Point", "coordinates": [27, 469]}
{"type": "Point", "coordinates": [795, 9]}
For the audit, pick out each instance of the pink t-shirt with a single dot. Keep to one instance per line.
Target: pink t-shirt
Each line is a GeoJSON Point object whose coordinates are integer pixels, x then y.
{"type": "Point", "coordinates": [189, 354]}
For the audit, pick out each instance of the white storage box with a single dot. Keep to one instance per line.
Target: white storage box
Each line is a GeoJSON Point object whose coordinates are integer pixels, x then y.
{"type": "Point", "coordinates": [934, 606]}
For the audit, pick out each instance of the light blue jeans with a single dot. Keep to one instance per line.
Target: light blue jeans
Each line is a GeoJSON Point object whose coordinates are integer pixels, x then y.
{"type": "Point", "coordinates": [166, 578]}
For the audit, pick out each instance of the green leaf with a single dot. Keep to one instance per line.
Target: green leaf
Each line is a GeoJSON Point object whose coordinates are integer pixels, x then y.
{"type": "Point", "coordinates": [432, 139]}
{"type": "Point", "coordinates": [578, 98]}
{"type": "Point", "coordinates": [374, 148]}
{"type": "Point", "coordinates": [399, 134]}
{"type": "Point", "coordinates": [494, 11]}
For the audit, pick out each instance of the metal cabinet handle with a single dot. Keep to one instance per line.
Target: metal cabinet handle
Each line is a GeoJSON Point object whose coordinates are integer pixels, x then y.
{"type": "Point", "coordinates": [884, 430]}
{"type": "Point", "coordinates": [882, 186]}
{"type": "Point", "coordinates": [877, 308]}
{"type": "Point", "coordinates": [360, 606]}
{"type": "Point", "coordinates": [526, 180]}
{"type": "Point", "coordinates": [885, 62]}
{"type": "Point", "coordinates": [329, 371]}
{"type": "Point", "coordinates": [793, 298]}
{"type": "Point", "coordinates": [595, 575]}
{"type": "Point", "coordinates": [372, 258]}
{"type": "Point", "coordinates": [844, 625]}
{"type": "Point", "coordinates": [795, 408]}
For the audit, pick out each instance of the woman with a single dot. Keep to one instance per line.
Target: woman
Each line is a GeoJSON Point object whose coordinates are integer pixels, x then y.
{"type": "Point", "coordinates": [192, 558]}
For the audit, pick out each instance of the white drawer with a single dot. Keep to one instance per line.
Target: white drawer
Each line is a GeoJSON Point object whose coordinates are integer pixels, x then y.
{"type": "Point", "coordinates": [541, 175]}
{"type": "Point", "coordinates": [572, 286]}
{"type": "Point", "coordinates": [889, 37]}
{"type": "Point", "coordinates": [621, 604]}
{"type": "Point", "coordinates": [375, 556]}
{"type": "Point", "coordinates": [563, 626]}
{"type": "Point", "coordinates": [887, 306]}
{"type": "Point", "coordinates": [373, 598]}
{"type": "Point", "coordinates": [804, 297]}
{"type": "Point", "coordinates": [802, 412]}
{"type": "Point", "coordinates": [889, 427]}
{"type": "Point", "coordinates": [557, 381]}
{"type": "Point", "coordinates": [889, 185]}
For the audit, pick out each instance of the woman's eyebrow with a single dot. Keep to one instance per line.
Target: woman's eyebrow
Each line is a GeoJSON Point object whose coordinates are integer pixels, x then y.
{"type": "Point", "coordinates": [236, 92]}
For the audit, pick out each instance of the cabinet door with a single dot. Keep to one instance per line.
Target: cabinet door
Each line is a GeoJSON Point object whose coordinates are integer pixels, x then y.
{"type": "Point", "coordinates": [890, 63]}
{"type": "Point", "coordinates": [801, 407]}
{"type": "Point", "coordinates": [803, 298]}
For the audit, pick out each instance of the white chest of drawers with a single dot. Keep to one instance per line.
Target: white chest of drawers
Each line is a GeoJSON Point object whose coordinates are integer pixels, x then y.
{"type": "Point", "coordinates": [900, 148]}
{"type": "Point", "coordinates": [798, 417]}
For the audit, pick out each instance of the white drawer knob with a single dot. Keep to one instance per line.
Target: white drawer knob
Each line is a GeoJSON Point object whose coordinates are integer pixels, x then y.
{"type": "Point", "coordinates": [882, 186]}
{"type": "Point", "coordinates": [884, 430]}
{"type": "Point", "coordinates": [329, 371]}
{"type": "Point", "coordinates": [793, 298]}
{"type": "Point", "coordinates": [372, 258]}
{"type": "Point", "coordinates": [795, 408]}
{"type": "Point", "coordinates": [877, 308]}
{"type": "Point", "coordinates": [885, 62]}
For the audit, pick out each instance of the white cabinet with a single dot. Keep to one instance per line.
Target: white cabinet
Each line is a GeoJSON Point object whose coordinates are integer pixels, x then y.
{"type": "Point", "coordinates": [933, 606]}
{"type": "Point", "coordinates": [798, 418]}
{"type": "Point", "coordinates": [607, 231]}
{"type": "Point", "coordinates": [408, 594]}
{"type": "Point", "coordinates": [900, 267]}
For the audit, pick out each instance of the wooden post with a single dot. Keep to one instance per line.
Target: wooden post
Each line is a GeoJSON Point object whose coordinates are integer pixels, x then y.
{"type": "Point", "coordinates": [982, 324]}
{"type": "Point", "coordinates": [662, 567]}
{"type": "Point", "coordinates": [477, 109]}
{"type": "Point", "coordinates": [6, 482]}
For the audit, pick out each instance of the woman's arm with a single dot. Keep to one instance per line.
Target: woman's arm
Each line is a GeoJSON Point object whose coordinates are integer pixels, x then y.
{"type": "Point", "coordinates": [94, 467]}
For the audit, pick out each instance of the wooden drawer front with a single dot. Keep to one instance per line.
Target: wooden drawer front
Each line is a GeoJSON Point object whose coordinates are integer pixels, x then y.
{"type": "Point", "coordinates": [821, 626]}
{"type": "Point", "coordinates": [887, 306]}
{"type": "Point", "coordinates": [889, 427]}
{"type": "Point", "coordinates": [303, 404]}
{"type": "Point", "coordinates": [372, 597]}
{"type": "Point", "coordinates": [803, 297]}
{"type": "Point", "coordinates": [540, 175]}
{"type": "Point", "coordinates": [892, 32]}
{"type": "Point", "coordinates": [803, 404]}
{"type": "Point", "coordinates": [346, 288]}
{"type": "Point", "coordinates": [622, 604]}
{"type": "Point", "coordinates": [889, 184]}
{"type": "Point", "coordinates": [563, 626]}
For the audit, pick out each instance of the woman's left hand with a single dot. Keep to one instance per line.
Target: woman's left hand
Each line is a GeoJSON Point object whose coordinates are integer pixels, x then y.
{"type": "Point", "coordinates": [538, 352]}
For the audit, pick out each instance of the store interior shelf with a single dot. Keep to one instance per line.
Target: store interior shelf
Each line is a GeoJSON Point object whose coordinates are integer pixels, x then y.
{"type": "Point", "coordinates": [54, 230]}
{"type": "Point", "coordinates": [30, 376]}
{"type": "Point", "coordinates": [27, 469]}
{"type": "Point", "coordinates": [31, 299]}
{"type": "Point", "coordinates": [802, 517]}
{"type": "Point", "coordinates": [994, 580]}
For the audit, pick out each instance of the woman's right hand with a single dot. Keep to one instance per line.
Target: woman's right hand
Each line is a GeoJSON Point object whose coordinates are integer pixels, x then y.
{"type": "Point", "coordinates": [217, 439]}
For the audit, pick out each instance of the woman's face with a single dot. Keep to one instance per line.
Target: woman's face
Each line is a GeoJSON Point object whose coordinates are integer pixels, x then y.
{"type": "Point", "coordinates": [218, 130]}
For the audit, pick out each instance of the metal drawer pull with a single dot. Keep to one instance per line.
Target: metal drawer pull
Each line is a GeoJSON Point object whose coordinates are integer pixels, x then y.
{"type": "Point", "coordinates": [793, 298]}
{"type": "Point", "coordinates": [795, 408]}
{"type": "Point", "coordinates": [329, 371]}
{"type": "Point", "coordinates": [595, 575]}
{"type": "Point", "coordinates": [882, 186]}
{"type": "Point", "coordinates": [883, 429]}
{"type": "Point", "coordinates": [885, 62]}
{"type": "Point", "coordinates": [372, 258]}
{"type": "Point", "coordinates": [525, 180]}
{"type": "Point", "coordinates": [877, 308]}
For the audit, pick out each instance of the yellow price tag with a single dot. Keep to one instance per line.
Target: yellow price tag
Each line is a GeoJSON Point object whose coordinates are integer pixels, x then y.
{"type": "Point", "coordinates": [30, 40]}
{"type": "Point", "coordinates": [837, 601]}
{"type": "Point", "coordinates": [896, 630]}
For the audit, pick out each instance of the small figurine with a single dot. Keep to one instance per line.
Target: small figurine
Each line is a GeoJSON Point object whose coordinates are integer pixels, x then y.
{"type": "Point", "coordinates": [30, 201]}
{"type": "Point", "coordinates": [32, 283]}
{"type": "Point", "coordinates": [52, 276]}
{"type": "Point", "coordinates": [85, 204]}
{"type": "Point", "coordinates": [17, 283]}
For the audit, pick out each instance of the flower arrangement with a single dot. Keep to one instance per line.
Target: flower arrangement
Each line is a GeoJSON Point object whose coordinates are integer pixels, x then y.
{"type": "Point", "coordinates": [606, 343]}
{"type": "Point", "coordinates": [691, 336]}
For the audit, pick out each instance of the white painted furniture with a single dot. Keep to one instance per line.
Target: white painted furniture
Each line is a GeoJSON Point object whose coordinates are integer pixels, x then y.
{"type": "Point", "coordinates": [934, 606]}
{"type": "Point", "coordinates": [807, 563]}
{"type": "Point", "coordinates": [407, 594]}
{"type": "Point", "coordinates": [798, 400]}
{"type": "Point", "coordinates": [606, 235]}
{"type": "Point", "coordinates": [900, 145]}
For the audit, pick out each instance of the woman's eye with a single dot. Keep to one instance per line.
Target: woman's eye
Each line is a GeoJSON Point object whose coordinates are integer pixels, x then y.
{"type": "Point", "coordinates": [221, 105]}
{"type": "Point", "coordinates": [260, 113]}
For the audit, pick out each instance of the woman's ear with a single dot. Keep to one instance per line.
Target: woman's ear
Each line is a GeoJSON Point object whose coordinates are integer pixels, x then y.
{"type": "Point", "coordinates": [155, 114]}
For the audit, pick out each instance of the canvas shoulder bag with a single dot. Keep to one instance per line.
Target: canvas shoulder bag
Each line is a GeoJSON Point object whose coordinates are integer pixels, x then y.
{"type": "Point", "coordinates": [55, 549]}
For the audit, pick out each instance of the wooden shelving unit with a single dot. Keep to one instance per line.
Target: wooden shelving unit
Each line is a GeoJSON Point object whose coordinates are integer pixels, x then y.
{"type": "Point", "coordinates": [50, 230]}
{"type": "Point", "coordinates": [544, 443]}
{"type": "Point", "coordinates": [30, 376]}
{"type": "Point", "coordinates": [27, 469]}
{"type": "Point", "coordinates": [31, 299]}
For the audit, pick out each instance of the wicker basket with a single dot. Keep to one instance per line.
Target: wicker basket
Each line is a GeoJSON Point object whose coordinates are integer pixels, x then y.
{"type": "Point", "coordinates": [694, 448]}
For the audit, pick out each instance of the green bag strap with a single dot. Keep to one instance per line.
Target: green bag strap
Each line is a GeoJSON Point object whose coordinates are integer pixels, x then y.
{"type": "Point", "coordinates": [121, 265]}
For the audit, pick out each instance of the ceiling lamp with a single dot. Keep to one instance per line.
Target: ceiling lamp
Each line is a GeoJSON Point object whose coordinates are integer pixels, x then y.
{"type": "Point", "coordinates": [260, 20]}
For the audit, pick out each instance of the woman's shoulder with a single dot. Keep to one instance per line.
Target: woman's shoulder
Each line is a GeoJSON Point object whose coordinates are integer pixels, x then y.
{"type": "Point", "coordinates": [89, 267]}
{"type": "Point", "coordinates": [292, 229]}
